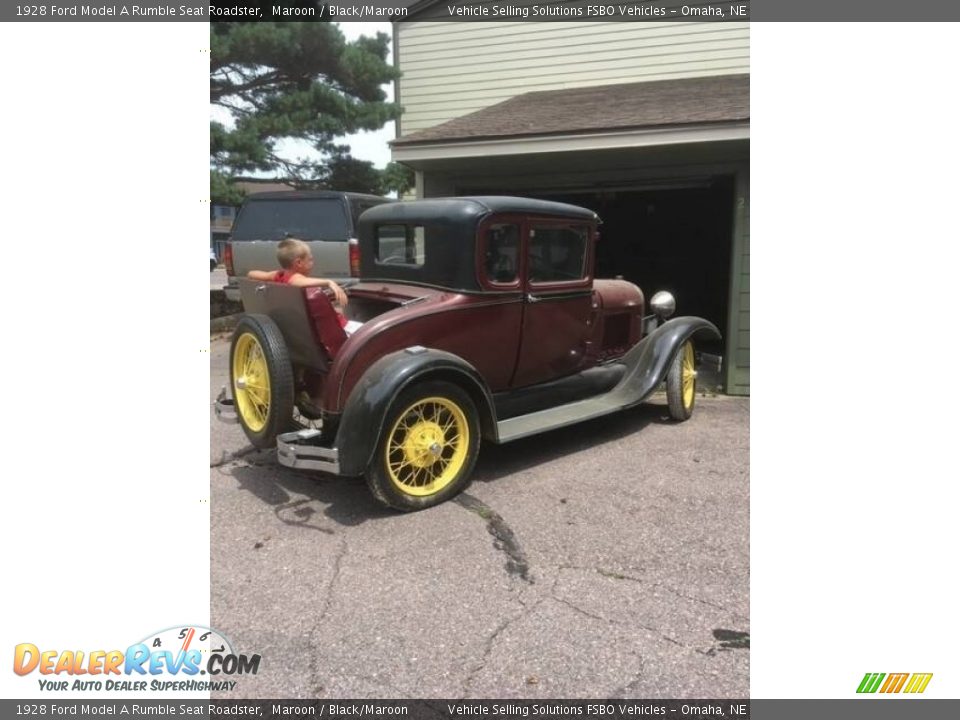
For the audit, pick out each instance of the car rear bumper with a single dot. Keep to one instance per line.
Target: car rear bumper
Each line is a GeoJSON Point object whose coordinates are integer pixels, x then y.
{"type": "Point", "coordinates": [301, 450]}
{"type": "Point", "coordinates": [224, 408]}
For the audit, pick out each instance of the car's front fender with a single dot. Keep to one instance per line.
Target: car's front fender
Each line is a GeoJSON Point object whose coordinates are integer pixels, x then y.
{"type": "Point", "coordinates": [361, 423]}
{"type": "Point", "coordinates": [648, 362]}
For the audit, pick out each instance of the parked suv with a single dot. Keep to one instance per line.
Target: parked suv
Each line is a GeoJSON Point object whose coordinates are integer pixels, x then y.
{"type": "Point", "coordinates": [325, 219]}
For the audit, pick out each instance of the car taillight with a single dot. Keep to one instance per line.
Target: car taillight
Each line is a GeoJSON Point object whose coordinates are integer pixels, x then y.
{"type": "Point", "coordinates": [228, 258]}
{"type": "Point", "coordinates": [354, 246]}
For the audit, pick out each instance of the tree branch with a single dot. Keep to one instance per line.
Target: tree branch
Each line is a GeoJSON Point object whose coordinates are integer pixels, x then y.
{"type": "Point", "coordinates": [258, 82]}
{"type": "Point", "coordinates": [232, 108]}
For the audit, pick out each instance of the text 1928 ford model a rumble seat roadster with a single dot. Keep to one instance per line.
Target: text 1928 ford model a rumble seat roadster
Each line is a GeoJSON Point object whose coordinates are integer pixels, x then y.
{"type": "Point", "coordinates": [480, 318]}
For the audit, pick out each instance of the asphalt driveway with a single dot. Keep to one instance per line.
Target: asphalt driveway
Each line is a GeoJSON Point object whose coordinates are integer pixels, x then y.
{"type": "Point", "coordinates": [610, 559]}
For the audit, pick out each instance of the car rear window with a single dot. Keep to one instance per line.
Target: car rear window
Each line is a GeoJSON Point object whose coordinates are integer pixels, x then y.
{"type": "Point", "coordinates": [304, 218]}
{"type": "Point", "coordinates": [401, 245]}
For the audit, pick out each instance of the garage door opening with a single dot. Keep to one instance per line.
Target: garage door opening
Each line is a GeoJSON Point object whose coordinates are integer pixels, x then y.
{"type": "Point", "coordinates": [676, 239]}
{"type": "Point", "coordinates": [665, 236]}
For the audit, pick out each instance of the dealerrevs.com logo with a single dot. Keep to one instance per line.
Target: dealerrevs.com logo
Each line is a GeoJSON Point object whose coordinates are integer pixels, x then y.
{"type": "Point", "coordinates": [183, 658]}
{"type": "Point", "coordinates": [894, 682]}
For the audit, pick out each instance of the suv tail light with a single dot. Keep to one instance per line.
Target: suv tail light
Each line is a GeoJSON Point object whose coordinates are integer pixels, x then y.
{"type": "Point", "coordinates": [354, 247]}
{"type": "Point", "coordinates": [228, 258]}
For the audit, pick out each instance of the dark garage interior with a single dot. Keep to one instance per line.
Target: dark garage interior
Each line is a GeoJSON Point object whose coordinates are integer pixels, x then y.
{"type": "Point", "coordinates": [668, 238]}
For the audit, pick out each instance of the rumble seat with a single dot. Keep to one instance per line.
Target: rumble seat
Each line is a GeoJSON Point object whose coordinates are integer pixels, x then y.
{"type": "Point", "coordinates": [305, 316]}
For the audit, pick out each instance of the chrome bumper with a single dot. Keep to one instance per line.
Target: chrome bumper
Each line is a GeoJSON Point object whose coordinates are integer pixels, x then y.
{"type": "Point", "coordinates": [225, 409]}
{"type": "Point", "coordinates": [299, 450]}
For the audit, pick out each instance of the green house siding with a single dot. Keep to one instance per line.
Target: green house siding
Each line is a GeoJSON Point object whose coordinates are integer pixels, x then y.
{"type": "Point", "coordinates": [738, 332]}
{"type": "Point", "coordinates": [451, 69]}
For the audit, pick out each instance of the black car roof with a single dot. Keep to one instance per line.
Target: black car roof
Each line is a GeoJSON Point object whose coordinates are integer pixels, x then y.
{"type": "Point", "coordinates": [472, 208]}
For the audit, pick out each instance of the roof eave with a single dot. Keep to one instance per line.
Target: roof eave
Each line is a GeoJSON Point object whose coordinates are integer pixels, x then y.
{"type": "Point", "coordinates": [413, 151]}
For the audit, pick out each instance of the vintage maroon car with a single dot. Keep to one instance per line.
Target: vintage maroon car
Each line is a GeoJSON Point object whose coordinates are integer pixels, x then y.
{"type": "Point", "coordinates": [479, 317]}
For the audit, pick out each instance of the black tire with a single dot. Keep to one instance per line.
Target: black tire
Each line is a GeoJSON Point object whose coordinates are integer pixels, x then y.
{"type": "Point", "coordinates": [682, 383]}
{"type": "Point", "coordinates": [428, 447]}
{"type": "Point", "coordinates": [261, 380]}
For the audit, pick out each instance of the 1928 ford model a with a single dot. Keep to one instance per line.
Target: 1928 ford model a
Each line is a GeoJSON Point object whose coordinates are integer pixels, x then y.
{"type": "Point", "coordinates": [480, 318]}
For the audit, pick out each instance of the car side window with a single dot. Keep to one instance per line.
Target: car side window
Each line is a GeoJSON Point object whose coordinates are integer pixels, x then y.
{"type": "Point", "coordinates": [557, 253]}
{"type": "Point", "coordinates": [502, 253]}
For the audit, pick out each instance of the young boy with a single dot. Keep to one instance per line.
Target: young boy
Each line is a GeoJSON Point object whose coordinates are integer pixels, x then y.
{"type": "Point", "coordinates": [296, 260]}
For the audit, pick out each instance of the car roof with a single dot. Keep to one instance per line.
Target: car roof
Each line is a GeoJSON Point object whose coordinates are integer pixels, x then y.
{"type": "Point", "coordinates": [312, 194]}
{"type": "Point", "coordinates": [473, 208]}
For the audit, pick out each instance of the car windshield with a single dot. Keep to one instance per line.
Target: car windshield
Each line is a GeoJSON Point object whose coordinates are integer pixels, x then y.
{"type": "Point", "coordinates": [304, 218]}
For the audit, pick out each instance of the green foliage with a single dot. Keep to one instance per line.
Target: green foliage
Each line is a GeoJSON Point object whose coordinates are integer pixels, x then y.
{"type": "Point", "coordinates": [224, 192]}
{"type": "Point", "coordinates": [297, 80]}
{"type": "Point", "coordinates": [396, 178]}
{"type": "Point", "coordinates": [346, 173]}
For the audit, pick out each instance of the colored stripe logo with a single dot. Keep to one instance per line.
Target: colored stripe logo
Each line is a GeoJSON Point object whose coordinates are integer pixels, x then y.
{"type": "Point", "coordinates": [894, 682]}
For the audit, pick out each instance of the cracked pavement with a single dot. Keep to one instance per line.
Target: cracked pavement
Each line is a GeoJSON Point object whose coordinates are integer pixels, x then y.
{"type": "Point", "coordinates": [605, 560]}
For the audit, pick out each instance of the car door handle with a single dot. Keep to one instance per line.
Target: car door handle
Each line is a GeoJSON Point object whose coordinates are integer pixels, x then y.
{"type": "Point", "coordinates": [533, 298]}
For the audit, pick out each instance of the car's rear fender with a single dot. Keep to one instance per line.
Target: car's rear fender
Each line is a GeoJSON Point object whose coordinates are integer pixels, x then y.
{"type": "Point", "coordinates": [361, 423]}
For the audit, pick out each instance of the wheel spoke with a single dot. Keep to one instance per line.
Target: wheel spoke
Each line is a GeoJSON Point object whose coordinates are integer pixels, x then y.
{"type": "Point", "coordinates": [258, 397]}
{"type": "Point", "coordinates": [253, 362]}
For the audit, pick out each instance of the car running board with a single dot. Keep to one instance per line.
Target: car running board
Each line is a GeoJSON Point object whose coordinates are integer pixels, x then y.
{"type": "Point", "coordinates": [647, 365]}
{"type": "Point", "coordinates": [557, 417]}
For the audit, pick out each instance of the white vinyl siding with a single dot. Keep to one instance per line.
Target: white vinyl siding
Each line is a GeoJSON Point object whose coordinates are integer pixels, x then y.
{"type": "Point", "coordinates": [452, 69]}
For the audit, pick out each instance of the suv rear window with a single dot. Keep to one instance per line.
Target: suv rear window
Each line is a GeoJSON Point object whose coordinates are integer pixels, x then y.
{"type": "Point", "coordinates": [304, 218]}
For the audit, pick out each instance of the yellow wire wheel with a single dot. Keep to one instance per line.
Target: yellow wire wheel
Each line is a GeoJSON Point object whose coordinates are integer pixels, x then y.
{"type": "Point", "coordinates": [261, 379]}
{"type": "Point", "coordinates": [682, 383]}
{"type": "Point", "coordinates": [251, 382]}
{"type": "Point", "coordinates": [428, 447]}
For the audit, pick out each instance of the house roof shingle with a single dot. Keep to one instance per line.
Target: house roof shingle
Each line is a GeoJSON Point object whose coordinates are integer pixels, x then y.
{"type": "Point", "coordinates": [640, 105]}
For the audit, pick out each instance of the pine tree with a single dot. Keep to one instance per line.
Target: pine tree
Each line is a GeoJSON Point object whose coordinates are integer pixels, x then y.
{"type": "Point", "coordinates": [298, 80]}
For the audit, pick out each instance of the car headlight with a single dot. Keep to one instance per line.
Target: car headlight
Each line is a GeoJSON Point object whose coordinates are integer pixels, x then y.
{"type": "Point", "coordinates": [663, 304]}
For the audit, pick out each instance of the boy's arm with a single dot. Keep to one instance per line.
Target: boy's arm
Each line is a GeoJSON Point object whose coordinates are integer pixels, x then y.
{"type": "Point", "coordinates": [262, 275]}
{"type": "Point", "coordinates": [304, 281]}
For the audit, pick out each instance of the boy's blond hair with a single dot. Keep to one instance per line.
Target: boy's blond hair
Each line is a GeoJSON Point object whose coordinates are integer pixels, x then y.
{"type": "Point", "coordinates": [289, 250]}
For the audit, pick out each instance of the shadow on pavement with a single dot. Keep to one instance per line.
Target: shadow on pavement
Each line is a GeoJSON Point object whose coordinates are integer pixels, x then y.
{"type": "Point", "coordinates": [497, 461]}
{"type": "Point", "coordinates": [348, 502]}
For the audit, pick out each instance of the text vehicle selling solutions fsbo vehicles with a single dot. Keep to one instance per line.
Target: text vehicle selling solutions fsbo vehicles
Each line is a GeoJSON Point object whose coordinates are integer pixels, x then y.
{"type": "Point", "coordinates": [479, 318]}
